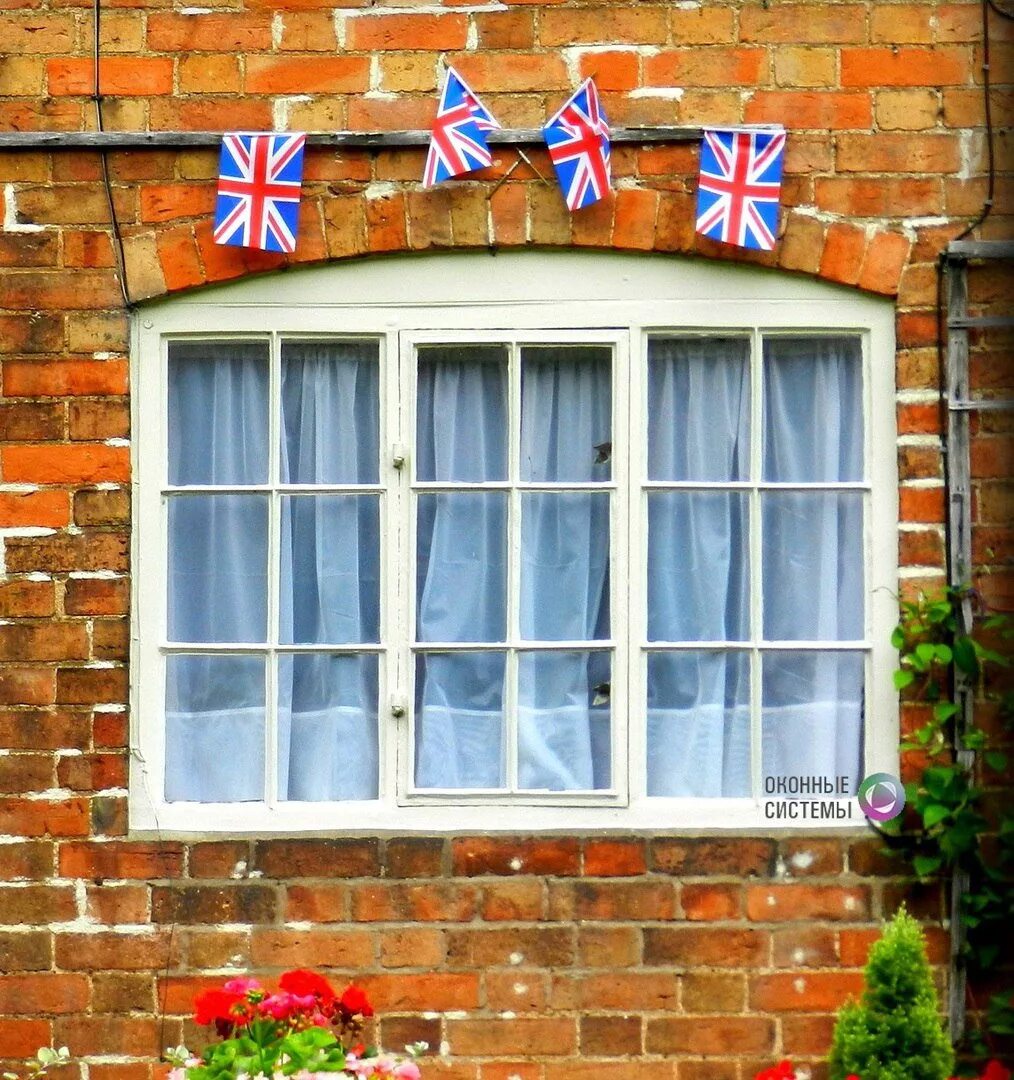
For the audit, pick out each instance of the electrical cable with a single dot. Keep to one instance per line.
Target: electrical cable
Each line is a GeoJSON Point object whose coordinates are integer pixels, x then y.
{"type": "Point", "coordinates": [118, 252]}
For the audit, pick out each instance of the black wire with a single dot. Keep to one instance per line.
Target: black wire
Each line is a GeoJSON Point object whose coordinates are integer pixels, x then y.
{"type": "Point", "coordinates": [121, 261]}
{"type": "Point", "coordinates": [1000, 11]}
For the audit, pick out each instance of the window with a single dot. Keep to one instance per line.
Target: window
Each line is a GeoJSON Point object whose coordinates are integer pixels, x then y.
{"type": "Point", "coordinates": [534, 541]}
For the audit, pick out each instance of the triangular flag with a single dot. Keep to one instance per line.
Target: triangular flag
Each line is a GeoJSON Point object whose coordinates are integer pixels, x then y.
{"type": "Point", "coordinates": [578, 141]}
{"type": "Point", "coordinates": [458, 141]}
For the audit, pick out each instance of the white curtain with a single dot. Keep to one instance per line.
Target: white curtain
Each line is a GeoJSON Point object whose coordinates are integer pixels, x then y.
{"type": "Point", "coordinates": [698, 563]}
{"type": "Point", "coordinates": [698, 696]}
{"type": "Point", "coordinates": [562, 696]}
{"type": "Point", "coordinates": [329, 572]}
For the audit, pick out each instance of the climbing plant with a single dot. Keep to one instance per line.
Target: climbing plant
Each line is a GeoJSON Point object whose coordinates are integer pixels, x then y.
{"type": "Point", "coordinates": [958, 825]}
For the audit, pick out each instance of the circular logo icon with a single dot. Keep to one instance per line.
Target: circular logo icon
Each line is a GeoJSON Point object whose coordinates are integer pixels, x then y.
{"type": "Point", "coordinates": [881, 796]}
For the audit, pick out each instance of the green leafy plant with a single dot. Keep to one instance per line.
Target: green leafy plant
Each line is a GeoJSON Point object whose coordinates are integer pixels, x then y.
{"type": "Point", "coordinates": [37, 1066]}
{"type": "Point", "coordinates": [954, 833]}
{"type": "Point", "coordinates": [895, 1031]}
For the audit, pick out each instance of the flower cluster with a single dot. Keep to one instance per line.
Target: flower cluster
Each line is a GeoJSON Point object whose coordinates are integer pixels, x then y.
{"type": "Point", "coordinates": [302, 1028]}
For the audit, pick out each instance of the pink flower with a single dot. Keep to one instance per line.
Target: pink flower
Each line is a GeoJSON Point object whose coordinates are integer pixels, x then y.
{"type": "Point", "coordinates": [241, 985]}
{"type": "Point", "coordinates": [407, 1070]}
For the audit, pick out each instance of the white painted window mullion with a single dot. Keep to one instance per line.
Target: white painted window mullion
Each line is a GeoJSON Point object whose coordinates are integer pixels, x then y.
{"type": "Point", "coordinates": [756, 563]}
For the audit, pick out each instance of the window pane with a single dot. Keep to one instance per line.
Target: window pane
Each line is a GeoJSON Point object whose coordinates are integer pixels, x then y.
{"type": "Point", "coordinates": [214, 728]}
{"type": "Point", "coordinates": [698, 409]}
{"type": "Point", "coordinates": [812, 722]}
{"type": "Point", "coordinates": [698, 566]}
{"type": "Point", "coordinates": [459, 721]}
{"type": "Point", "coordinates": [565, 566]}
{"type": "Point", "coordinates": [461, 587]}
{"type": "Point", "coordinates": [330, 412]}
{"type": "Point", "coordinates": [218, 412]}
{"type": "Point", "coordinates": [330, 569]}
{"type": "Point", "coordinates": [218, 564]}
{"type": "Point", "coordinates": [566, 413]}
{"type": "Point", "coordinates": [461, 413]}
{"type": "Point", "coordinates": [813, 565]}
{"type": "Point", "coordinates": [813, 409]}
{"type": "Point", "coordinates": [327, 727]}
{"type": "Point", "coordinates": [563, 721]}
{"type": "Point", "coordinates": [699, 724]}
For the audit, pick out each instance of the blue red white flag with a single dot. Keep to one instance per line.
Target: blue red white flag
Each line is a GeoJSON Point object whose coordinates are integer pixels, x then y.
{"type": "Point", "coordinates": [259, 184]}
{"type": "Point", "coordinates": [458, 140]}
{"type": "Point", "coordinates": [739, 187]}
{"type": "Point", "coordinates": [578, 141]}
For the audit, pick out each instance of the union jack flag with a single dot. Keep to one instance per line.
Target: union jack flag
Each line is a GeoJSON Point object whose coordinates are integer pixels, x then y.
{"type": "Point", "coordinates": [739, 186]}
{"type": "Point", "coordinates": [578, 141]}
{"type": "Point", "coordinates": [458, 141]}
{"type": "Point", "coordinates": [259, 181]}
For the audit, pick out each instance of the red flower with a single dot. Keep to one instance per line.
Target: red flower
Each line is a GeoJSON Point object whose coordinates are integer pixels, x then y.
{"type": "Point", "coordinates": [996, 1071]}
{"type": "Point", "coordinates": [782, 1071]}
{"type": "Point", "coordinates": [354, 1002]}
{"type": "Point", "coordinates": [307, 984]}
{"type": "Point", "coordinates": [220, 1007]}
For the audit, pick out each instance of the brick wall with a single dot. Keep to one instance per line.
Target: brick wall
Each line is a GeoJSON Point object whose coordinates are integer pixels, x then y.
{"type": "Point", "coordinates": [688, 959]}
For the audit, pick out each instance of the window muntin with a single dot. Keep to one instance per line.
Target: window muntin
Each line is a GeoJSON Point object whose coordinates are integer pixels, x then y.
{"type": "Point", "coordinates": [513, 508]}
{"type": "Point", "coordinates": [273, 507]}
{"type": "Point", "coordinates": [755, 546]}
{"type": "Point", "coordinates": [613, 291]}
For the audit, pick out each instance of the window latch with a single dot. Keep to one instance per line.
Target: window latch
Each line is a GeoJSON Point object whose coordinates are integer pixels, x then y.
{"type": "Point", "coordinates": [399, 707]}
{"type": "Point", "coordinates": [399, 455]}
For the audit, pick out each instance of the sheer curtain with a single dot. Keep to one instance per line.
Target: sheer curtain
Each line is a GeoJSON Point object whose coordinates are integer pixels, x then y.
{"type": "Point", "coordinates": [698, 563]}
{"type": "Point", "coordinates": [328, 555]}
{"type": "Point", "coordinates": [563, 588]}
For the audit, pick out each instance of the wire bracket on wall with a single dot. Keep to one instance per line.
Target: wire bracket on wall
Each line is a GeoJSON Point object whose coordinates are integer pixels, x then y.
{"type": "Point", "coordinates": [359, 140]}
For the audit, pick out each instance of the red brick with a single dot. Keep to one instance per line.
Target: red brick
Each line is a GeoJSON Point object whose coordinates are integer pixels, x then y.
{"type": "Point", "coordinates": [21, 1038]}
{"type": "Point", "coordinates": [317, 858]}
{"type": "Point", "coordinates": [777, 903]}
{"type": "Point", "coordinates": [551, 1037]}
{"type": "Point", "coordinates": [810, 109]}
{"type": "Point", "coordinates": [181, 264]}
{"type": "Point", "coordinates": [544, 946]}
{"type": "Point", "coordinates": [382, 30]}
{"type": "Point", "coordinates": [413, 902]}
{"type": "Point", "coordinates": [87, 248]}
{"type": "Point", "coordinates": [406, 992]}
{"type": "Point", "coordinates": [65, 464]}
{"type": "Point", "coordinates": [212, 32]}
{"type": "Point", "coordinates": [118, 75]}
{"type": "Point", "coordinates": [716, 66]}
{"type": "Point", "coordinates": [633, 25]}
{"type": "Point", "coordinates": [943, 66]}
{"type": "Point", "coordinates": [805, 991]}
{"type": "Point", "coordinates": [709, 902]}
{"type": "Point", "coordinates": [43, 994]}
{"type": "Point", "coordinates": [163, 202]}
{"type": "Point", "coordinates": [836, 23]}
{"type": "Point", "coordinates": [289, 948]}
{"type": "Point", "coordinates": [921, 504]}
{"type": "Point", "coordinates": [489, 855]}
{"type": "Point", "coordinates": [134, 1035]}
{"type": "Point", "coordinates": [737, 857]}
{"type": "Point", "coordinates": [513, 72]}
{"type": "Point", "coordinates": [59, 378]}
{"type": "Point", "coordinates": [614, 858]}
{"type": "Point", "coordinates": [27, 686]}
{"type": "Point", "coordinates": [710, 1035]}
{"type": "Point", "coordinates": [641, 991]}
{"type": "Point", "coordinates": [41, 508]}
{"type": "Point", "coordinates": [885, 259]}
{"type": "Point", "coordinates": [616, 900]}
{"type": "Point", "coordinates": [307, 75]}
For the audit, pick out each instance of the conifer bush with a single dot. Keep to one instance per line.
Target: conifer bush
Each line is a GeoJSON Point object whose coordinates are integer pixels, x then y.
{"type": "Point", "coordinates": [894, 1032]}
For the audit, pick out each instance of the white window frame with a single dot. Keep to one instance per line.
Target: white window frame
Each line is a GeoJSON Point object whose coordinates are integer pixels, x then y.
{"type": "Point", "coordinates": [567, 297]}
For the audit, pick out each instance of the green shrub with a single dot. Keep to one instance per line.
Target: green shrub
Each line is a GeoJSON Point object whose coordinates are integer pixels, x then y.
{"type": "Point", "coordinates": [894, 1032]}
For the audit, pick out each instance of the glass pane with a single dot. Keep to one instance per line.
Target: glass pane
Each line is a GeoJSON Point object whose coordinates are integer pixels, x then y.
{"type": "Point", "coordinates": [330, 412]}
{"type": "Point", "coordinates": [327, 727]}
{"type": "Point", "coordinates": [565, 566]}
{"type": "Point", "coordinates": [459, 721]}
{"type": "Point", "coordinates": [563, 721]}
{"type": "Point", "coordinates": [812, 715]}
{"type": "Point", "coordinates": [812, 565]}
{"type": "Point", "coordinates": [330, 569]}
{"type": "Point", "coordinates": [813, 409]}
{"type": "Point", "coordinates": [215, 723]}
{"type": "Point", "coordinates": [218, 412]}
{"type": "Point", "coordinates": [699, 409]}
{"type": "Point", "coordinates": [566, 413]}
{"type": "Point", "coordinates": [218, 564]}
{"type": "Point", "coordinates": [461, 413]}
{"type": "Point", "coordinates": [699, 724]}
{"type": "Point", "coordinates": [698, 566]}
{"type": "Point", "coordinates": [461, 588]}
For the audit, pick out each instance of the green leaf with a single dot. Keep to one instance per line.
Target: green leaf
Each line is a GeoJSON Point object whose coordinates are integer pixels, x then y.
{"type": "Point", "coordinates": [996, 760]}
{"type": "Point", "coordinates": [903, 678]}
{"type": "Point", "coordinates": [943, 711]}
{"type": "Point", "coordinates": [934, 814]}
{"type": "Point", "coordinates": [898, 637]}
{"type": "Point", "coordinates": [926, 652]}
{"type": "Point", "coordinates": [965, 657]}
{"type": "Point", "coordinates": [944, 654]}
{"type": "Point", "coordinates": [925, 865]}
